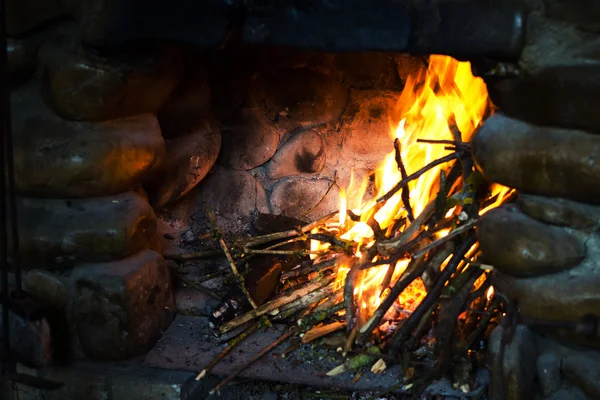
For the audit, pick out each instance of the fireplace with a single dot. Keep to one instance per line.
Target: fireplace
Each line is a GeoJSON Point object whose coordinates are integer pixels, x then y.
{"type": "Point", "coordinates": [398, 197]}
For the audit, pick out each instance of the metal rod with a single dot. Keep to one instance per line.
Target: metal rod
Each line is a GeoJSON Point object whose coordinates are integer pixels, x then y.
{"type": "Point", "coordinates": [6, 356]}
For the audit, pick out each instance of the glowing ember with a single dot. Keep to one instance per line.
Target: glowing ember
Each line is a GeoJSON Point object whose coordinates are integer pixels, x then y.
{"type": "Point", "coordinates": [438, 104]}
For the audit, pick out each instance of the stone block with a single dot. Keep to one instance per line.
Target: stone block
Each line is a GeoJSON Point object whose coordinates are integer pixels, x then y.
{"type": "Point", "coordinates": [187, 161]}
{"type": "Point", "coordinates": [566, 296]}
{"type": "Point", "coordinates": [304, 198]}
{"type": "Point", "coordinates": [517, 365]}
{"type": "Point", "coordinates": [298, 98]}
{"type": "Point", "coordinates": [548, 373]}
{"type": "Point", "coordinates": [583, 370]}
{"type": "Point", "coordinates": [235, 197]}
{"type": "Point", "coordinates": [190, 104]}
{"type": "Point", "coordinates": [85, 85]}
{"type": "Point", "coordinates": [62, 159]}
{"type": "Point", "coordinates": [561, 212]}
{"type": "Point", "coordinates": [249, 141]}
{"type": "Point", "coordinates": [47, 288]}
{"type": "Point", "coordinates": [302, 155]}
{"type": "Point", "coordinates": [59, 233]}
{"type": "Point", "coordinates": [562, 95]}
{"type": "Point", "coordinates": [365, 129]}
{"type": "Point", "coordinates": [369, 70]}
{"type": "Point", "coordinates": [521, 246]}
{"type": "Point", "coordinates": [539, 160]}
{"type": "Point", "coordinates": [120, 309]}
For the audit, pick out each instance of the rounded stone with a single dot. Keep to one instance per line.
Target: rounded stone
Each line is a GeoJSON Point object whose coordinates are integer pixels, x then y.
{"type": "Point", "coordinates": [249, 141]}
{"type": "Point", "coordinates": [548, 373]}
{"type": "Point", "coordinates": [187, 161]}
{"type": "Point", "coordinates": [564, 96]}
{"type": "Point", "coordinates": [561, 212]}
{"type": "Point", "coordinates": [298, 98]}
{"type": "Point", "coordinates": [306, 199]}
{"type": "Point", "coordinates": [539, 160]}
{"type": "Point", "coordinates": [59, 233]}
{"type": "Point", "coordinates": [516, 370]}
{"type": "Point", "coordinates": [234, 196]}
{"type": "Point", "coordinates": [583, 369]}
{"type": "Point", "coordinates": [59, 158]}
{"type": "Point", "coordinates": [366, 125]}
{"type": "Point", "coordinates": [369, 70]}
{"type": "Point", "coordinates": [119, 309]}
{"type": "Point", "coordinates": [303, 154]}
{"type": "Point", "coordinates": [47, 288]}
{"type": "Point", "coordinates": [190, 104]}
{"type": "Point", "coordinates": [564, 297]}
{"type": "Point", "coordinates": [85, 85]}
{"type": "Point", "coordinates": [522, 246]}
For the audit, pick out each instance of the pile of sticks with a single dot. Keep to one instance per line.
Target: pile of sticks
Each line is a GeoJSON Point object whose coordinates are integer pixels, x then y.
{"type": "Point", "coordinates": [446, 325]}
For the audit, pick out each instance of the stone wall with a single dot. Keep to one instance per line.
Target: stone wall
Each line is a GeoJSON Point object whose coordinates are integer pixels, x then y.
{"type": "Point", "coordinates": [544, 248]}
{"type": "Point", "coordinates": [86, 136]}
{"type": "Point", "coordinates": [108, 134]}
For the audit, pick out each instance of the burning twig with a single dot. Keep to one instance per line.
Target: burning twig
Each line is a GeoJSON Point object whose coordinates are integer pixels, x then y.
{"type": "Point", "coordinates": [449, 312]}
{"type": "Point", "coordinates": [432, 295]}
{"type": "Point", "coordinates": [416, 175]}
{"type": "Point", "coordinates": [412, 272]}
{"type": "Point", "coordinates": [403, 174]}
{"type": "Point", "coordinates": [456, 232]}
{"type": "Point", "coordinates": [344, 245]}
{"type": "Point", "coordinates": [284, 235]}
{"type": "Point", "coordinates": [319, 331]}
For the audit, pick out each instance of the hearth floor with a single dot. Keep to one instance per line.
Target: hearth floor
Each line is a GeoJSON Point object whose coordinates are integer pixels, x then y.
{"type": "Point", "coordinates": [189, 344]}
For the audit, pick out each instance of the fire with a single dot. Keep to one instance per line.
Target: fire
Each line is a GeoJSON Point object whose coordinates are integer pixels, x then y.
{"type": "Point", "coordinates": [444, 102]}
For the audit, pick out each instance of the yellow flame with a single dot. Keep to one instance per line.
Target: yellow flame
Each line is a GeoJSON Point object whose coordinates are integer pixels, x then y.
{"type": "Point", "coordinates": [438, 103]}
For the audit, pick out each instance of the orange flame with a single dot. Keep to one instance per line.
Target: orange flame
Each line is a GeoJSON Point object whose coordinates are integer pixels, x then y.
{"type": "Point", "coordinates": [442, 102]}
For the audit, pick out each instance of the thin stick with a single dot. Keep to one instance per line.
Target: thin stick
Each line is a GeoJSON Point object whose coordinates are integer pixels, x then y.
{"type": "Point", "coordinates": [450, 142]}
{"type": "Point", "coordinates": [410, 233]}
{"type": "Point", "coordinates": [403, 174]}
{"type": "Point", "coordinates": [258, 356]}
{"type": "Point", "coordinates": [284, 235]}
{"type": "Point", "coordinates": [193, 256]}
{"type": "Point", "coordinates": [240, 338]}
{"type": "Point", "coordinates": [307, 269]}
{"type": "Point", "coordinates": [320, 331]}
{"type": "Point", "coordinates": [432, 296]}
{"type": "Point", "coordinates": [416, 175]}
{"type": "Point", "coordinates": [197, 286]}
{"type": "Point", "coordinates": [412, 272]}
{"type": "Point", "coordinates": [275, 304]}
{"type": "Point", "coordinates": [236, 274]}
{"type": "Point", "coordinates": [310, 298]}
{"type": "Point", "coordinates": [284, 252]}
{"type": "Point", "coordinates": [460, 230]}
{"type": "Point", "coordinates": [482, 325]}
